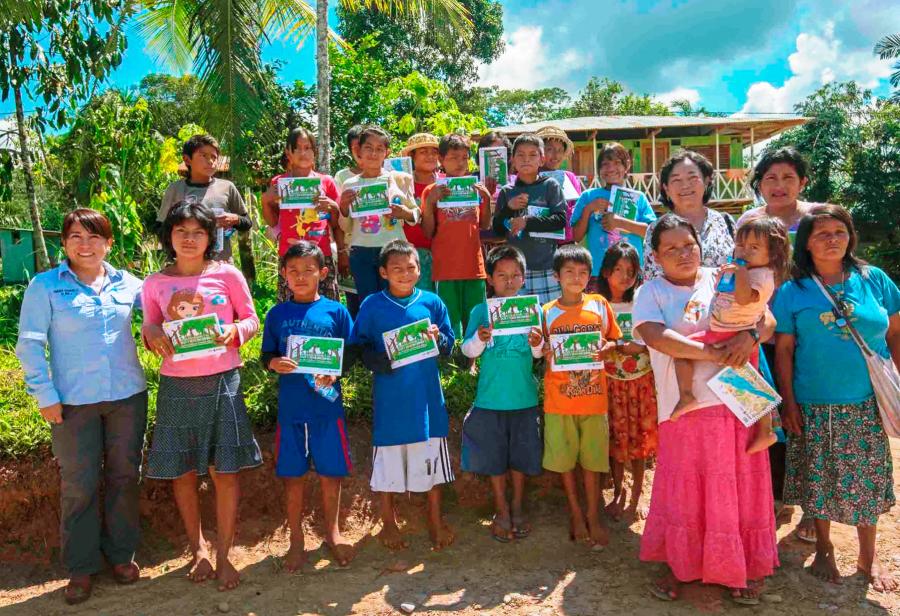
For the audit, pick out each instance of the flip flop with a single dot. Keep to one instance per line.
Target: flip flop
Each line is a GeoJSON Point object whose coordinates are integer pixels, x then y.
{"type": "Point", "coordinates": [804, 524]}
{"type": "Point", "coordinates": [661, 593]}
{"type": "Point", "coordinates": [740, 599]}
{"type": "Point", "coordinates": [504, 526]}
{"type": "Point", "coordinates": [518, 521]}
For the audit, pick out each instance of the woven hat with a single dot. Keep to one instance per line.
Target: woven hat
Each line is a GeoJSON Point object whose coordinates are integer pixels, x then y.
{"type": "Point", "coordinates": [419, 140]}
{"type": "Point", "coordinates": [552, 132]}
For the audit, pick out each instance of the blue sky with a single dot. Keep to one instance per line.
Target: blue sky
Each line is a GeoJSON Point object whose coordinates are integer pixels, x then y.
{"type": "Point", "coordinates": [739, 55]}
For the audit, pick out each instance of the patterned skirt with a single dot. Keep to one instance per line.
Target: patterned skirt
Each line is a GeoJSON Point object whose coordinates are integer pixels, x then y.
{"type": "Point", "coordinates": [543, 284]}
{"type": "Point", "coordinates": [632, 418]}
{"type": "Point", "coordinates": [840, 469]}
{"type": "Point", "coordinates": [201, 422]}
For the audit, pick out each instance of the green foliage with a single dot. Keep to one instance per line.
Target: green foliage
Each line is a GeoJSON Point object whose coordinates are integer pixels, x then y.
{"type": "Point", "coordinates": [10, 305]}
{"type": "Point", "coordinates": [421, 104]}
{"type": "Point", "coordinates": [608, 97]}
{"type": "Point", "coordinates": [506, 107]}
{"type": "Point", "coordinates": [889, 48]}
{"type": "Point", "coordinates": [173, 101]}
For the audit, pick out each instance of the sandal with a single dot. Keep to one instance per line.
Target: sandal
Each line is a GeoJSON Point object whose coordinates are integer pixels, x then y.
{"type": "Point", "coordinates": [504, 526]}
{"type": "Point", "coordinates": [806, 530]}
{"type": "Point", "coordinates": [753, 590]}
{"type": "Point", "coordinates": [78, 590]}
{"type": "Point", "coordinates": [665, 589]}
{"type": "Point", "coordinates": [520, 527]}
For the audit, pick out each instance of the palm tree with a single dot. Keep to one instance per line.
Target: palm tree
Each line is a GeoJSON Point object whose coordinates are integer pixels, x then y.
{"type": "Point", "coordinates": [886, 48]}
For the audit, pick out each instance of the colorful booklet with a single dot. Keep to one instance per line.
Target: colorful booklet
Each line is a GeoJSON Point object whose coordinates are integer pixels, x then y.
{"type": "Point", "coordinates": [371, 198]}
{"type": "Point", "coordinates": [625, 324]}
{"type": "Point", "coordinates": [576, 351]}
{"type": "Point", "coordinates": [540, 212]}
{"type": "Point", "coordinates": [409, 344]}
{"type": "Point", "coordinates": [624, 202]}
{"type": "Point", "coordinates": [347, 284]}
{"type": "Point", "coordinates": [745, 392]}
{"type": "Point", "coordinates": [492, 163]}
{"type": "Point", "coordinates": [194, 337]}
{"type": "Point", "coordinates": [514, 315]}
{"type": "Point", "coordinates": [298, 193]}
{"type": "Point", "coordinates": [570, 193]}
{"type": "Point", "coordinates": [399, 163]}
{"type": "Point", "coordinates": [462, 192]}
{"type": "Point", "coordinates": [316, 355]}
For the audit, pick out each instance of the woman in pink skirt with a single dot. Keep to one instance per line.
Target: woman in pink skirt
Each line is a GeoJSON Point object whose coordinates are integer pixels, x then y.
{"type": "Point", "coordinates": [711, 510]}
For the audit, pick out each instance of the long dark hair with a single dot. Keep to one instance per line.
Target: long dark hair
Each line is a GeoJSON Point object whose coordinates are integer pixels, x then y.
{"type": "Point", "coordinates": [669, 222]}
{"type": "Point", "coordinates": [787, 155]}
{"type": "Point", "coordinates": [803, 262]}
{"type": "Point", "coordinates": [773, 231]}
{"type": "Point", "coordinates": [614, 254]}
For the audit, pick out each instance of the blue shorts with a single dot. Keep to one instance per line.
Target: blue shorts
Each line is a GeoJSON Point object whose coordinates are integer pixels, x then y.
{"type": "Point", "coordinates": [494, 442]}
{"type": "Point", "coordinates": [322, 440]}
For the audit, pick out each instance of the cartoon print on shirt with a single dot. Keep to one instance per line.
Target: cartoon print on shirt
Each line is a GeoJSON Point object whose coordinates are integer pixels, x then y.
{"type": "Point", "coordinates": [693, 311]}
{"type": "Point", "coordinates": [830, 322]}
{"type": "Point", "coordinates": [184, 303]}
{"type": "Point", "coordinates": [307, 221]}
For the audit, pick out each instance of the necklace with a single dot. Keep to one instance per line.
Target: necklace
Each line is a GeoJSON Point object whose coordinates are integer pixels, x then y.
{"type": "Point", "coordinates": [843, 307]}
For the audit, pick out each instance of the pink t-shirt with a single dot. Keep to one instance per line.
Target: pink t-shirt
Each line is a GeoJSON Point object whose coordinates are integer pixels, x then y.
{"type": "Point", "coordinates": [221, 291]}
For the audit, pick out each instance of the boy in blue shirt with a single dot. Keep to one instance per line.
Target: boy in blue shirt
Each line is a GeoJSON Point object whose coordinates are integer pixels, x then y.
{"type": "Point", "coordinates": [310, 423]}
{"type": "Point", "coordinates": [593, 219]}
{"type": "Point", "coordinates": [409, 434]}
{"type": "Point", "coordinates": [502, 432]}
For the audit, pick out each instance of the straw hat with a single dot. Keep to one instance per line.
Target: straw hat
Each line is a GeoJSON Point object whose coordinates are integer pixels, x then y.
{"type": "Point", "coordinates": [419, 140]}
{"type": "Point", "coordinates": [552, 132]}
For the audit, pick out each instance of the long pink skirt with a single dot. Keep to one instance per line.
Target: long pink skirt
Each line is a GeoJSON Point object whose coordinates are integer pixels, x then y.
{"type": "Point", "coordinates": [711, 511]}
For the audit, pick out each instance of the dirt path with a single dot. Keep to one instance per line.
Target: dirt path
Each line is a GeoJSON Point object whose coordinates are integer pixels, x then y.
{"type": "Point", "coordinates": [542, 575]}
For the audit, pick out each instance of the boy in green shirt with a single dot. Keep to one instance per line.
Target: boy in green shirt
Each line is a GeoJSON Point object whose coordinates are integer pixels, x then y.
{"type": "Point", "coordinates": [502, 432]}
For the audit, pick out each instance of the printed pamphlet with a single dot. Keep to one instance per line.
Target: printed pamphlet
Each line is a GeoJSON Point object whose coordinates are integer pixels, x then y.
{"type": "Point", "coordinates": [299, 193]}
{"type": "Point", "coordinates": [570, 193]}
{"type": "Point", "coordinates": [399, 163]}
{"type": "Point", "coordinates": [745, 392]}
{"type": "Point", "coordinates": [462, 192]}
{"type": "Point", "coordinates": [409, 344]}
{"type": "Point", "coordinates": [194, 337]}
{"type": "Point", "coordinates": [540, 212]}
{"type": "Point", "coordinates": [371, 198]}
{"type": "Point", "coordinates": [514, 315]}
{"type": "Point", "coordinates": [576, 351]}
{"type": "Point", "coordinates": [316, 355]}
{"type": "Point", "coordinates": [492, 163]}
{"type": "Point", "coordinates": [624, 202]}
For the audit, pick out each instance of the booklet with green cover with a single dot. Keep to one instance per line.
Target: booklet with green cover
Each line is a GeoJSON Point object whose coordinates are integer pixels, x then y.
{"type": "Point", "coordinates": [537, 211]}
{"type": "Point", "coordinates": [316, 354]}
{"type": "Point", "coordinates": [514, 315]}
{"type": "Point", "coordinates": [576, 351]}
{"type": "Point", "coordinates": [624, 202]}
{"type": "Point", "coordinates": [462, 192]}
{"type": "Point", "coordinates": [299, 193]}
{"type": "Point", "coordinates": [194, 337]}
{"type": "Point", "coordinates": [745, 392]}
{"type": "Point", "coordinates": [371, 198]}
{"type": "Point", "coordinates": [568, 189]}
{"type": "Point", "coordinates": [409, 344]}
{"type": "Point", "coordinates": [492, 163]}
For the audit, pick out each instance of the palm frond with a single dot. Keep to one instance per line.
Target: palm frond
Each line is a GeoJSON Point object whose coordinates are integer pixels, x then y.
{"type": "Point", "coordinates": [164, 25]}
{"type": "Point", "coordinates": [450, 12]}
{"type": "Point", "coordinates": [888, 47]}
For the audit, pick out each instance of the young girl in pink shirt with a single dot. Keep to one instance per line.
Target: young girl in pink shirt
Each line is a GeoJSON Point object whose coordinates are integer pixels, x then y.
{"type": "Point", "coordinates": [201, 421]}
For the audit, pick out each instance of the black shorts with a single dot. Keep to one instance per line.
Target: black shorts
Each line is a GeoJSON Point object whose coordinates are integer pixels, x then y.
{"type": "Point", "coordinates": [494, 442]}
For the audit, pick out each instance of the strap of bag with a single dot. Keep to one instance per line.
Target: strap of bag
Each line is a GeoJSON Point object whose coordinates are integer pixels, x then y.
{"type": "Point", "coordinates": [857, 338]}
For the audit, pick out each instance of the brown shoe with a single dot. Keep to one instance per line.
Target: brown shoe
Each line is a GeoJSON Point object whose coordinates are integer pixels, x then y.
{"type": "Point", "coordinates": [127, 573]}
{"type": "Point", "coordinates": [78, 590]}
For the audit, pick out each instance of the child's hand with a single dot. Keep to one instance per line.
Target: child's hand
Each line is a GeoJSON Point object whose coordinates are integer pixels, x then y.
{"type": "Point", "coordinates": [325, 380]}
{"type": "Point", "coordinates": [491, 185]}
{"type": "Point", "coordinates": [596, 206]}
{"type": "Point", "coordinates": [519, 202]}
{"type": "Point", "coordinates": [547, 352]}
{"type": "Point", "coordinates": [437, 193]}
{"type": "Point", "coordinates": [535, 336]}
{"type": "Point", "coordinates": [609, 222]}
{"type": "Point", "coordinates": [401, 212]}
{"type": "Point", "coordinates": [605, 351]}
{"type": "Point", "coordinates": [482, 190]}
{"type": "Point", "coordinates": [739, 252]}
{"type": "Point", "coordinates": [227, 220]}
{"type": "Point", "coordinates": [485, 333]}
{"type": "Point", "coordinates": [158, 341]}
{"type": "Point", "coordinates": [343, 263]}
{"type": "Point", "coordinates": [434, 331]}
{"type": "Point", "coordinates": [791, 419]}
{"type": "Point", "coordinates": [517, 225]}
{"type": "Point", "coordinates": [228, 335]}
{"type": "Point", "coordinates": [326, 204]}
{"type": "Point", "coordinates": [282, 365]}
{"type": "Point", "coordinates": [347, 199]}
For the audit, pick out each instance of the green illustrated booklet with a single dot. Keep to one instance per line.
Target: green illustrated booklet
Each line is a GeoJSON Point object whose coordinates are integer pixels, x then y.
{"type": "Point", "coordinates": [576, 351]}
{"type": "Point", "coordinates": [624, 202]}
{"type": "Point", "coordinates": [462, 192]}
{"type": "Point", "coordinates": [514, 315]}
{"type": "Point", "coordinates": [371, 198]}
{"type": "Point", "coordinates": [194, 337]}
{"type": "Point", "coordinates": [537, 211]}
{"type": "Point", "coordinates": [298, 193]}
{"type": "Point", "coordinates": [409, 344]}
{"type": "Point", "coordinates": [316, 355]}
{"type": "Point", "coordinates": [624, 320]}
{"type": "Point", "coordinates": [745, 392]}
{"type": "Point", "coordinates": [346, 284]}
{"type": "Point", "coordinates": [570, 193]}
{"type": "Point", "coordinates": [400, 163]}
{"type": "Point", "coordinates": [492, 164]}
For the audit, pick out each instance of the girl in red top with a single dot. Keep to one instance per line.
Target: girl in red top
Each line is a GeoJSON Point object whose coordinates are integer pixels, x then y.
{"type": "Point", "coordinates": [423, 149]}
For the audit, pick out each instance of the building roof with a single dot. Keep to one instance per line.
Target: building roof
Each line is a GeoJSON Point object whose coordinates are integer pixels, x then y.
{"type": "Point", "coordinates": [637, 127]}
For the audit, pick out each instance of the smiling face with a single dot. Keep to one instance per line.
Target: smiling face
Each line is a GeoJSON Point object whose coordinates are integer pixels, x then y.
{"type": "Point", "coordinates": [425, 160]}
{"type": "Point", "coordinates": [678, 254]}
{"type": "Point", "coordinates": [612, 172]}
{"type": "Point", "coordinates": [302, 158]}
{"type": "Point", "coordinates": [372, 153]}
{"type": "Point", "coordinates": [573, 277]}
{"type": "Point", "coordinates": [402, 273]}
{"type": "Point", "coordinates": [686, 186]}
{"type": "Point", "coordinates": [189, 239]}
{"type": "Point", "coordinates": [621, 278]}
{"type": "Point", "coordinates": [85, 250]}
{"type": "Point", "coordinates": [456, 162]}
{"type": "Point", "coordinates": [780, 186]}
{"type": "Point", "coordinates": [554, 154]}
{"type": "Point", "coordinates": [303, 275]}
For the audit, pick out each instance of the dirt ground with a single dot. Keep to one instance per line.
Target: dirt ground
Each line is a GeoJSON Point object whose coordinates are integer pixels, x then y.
{"type": "Point", "coordinates": [542, 575]}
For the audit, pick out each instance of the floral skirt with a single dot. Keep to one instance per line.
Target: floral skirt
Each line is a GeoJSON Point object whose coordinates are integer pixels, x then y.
{"type": "Point", "coordinates": [632, 418]}
{"type": "Point", "coordinates": [840, 468]}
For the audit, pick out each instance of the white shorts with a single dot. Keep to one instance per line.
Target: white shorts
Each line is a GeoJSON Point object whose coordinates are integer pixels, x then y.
{"type": "Point", "coordinates": [416, 467]}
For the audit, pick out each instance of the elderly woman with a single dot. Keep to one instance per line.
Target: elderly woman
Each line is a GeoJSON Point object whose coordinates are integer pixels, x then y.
{"type": "Point", "coordinates": [711, 513]}
{"type": "Point", "coordinates": [839, 459]}
{"type": "Point", "coordinates": [686, 186]}
{"type": "Point", "coordinates": [93, 393]}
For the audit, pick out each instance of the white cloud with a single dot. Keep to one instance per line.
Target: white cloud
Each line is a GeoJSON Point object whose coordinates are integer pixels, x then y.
{"type": "Point", "coordinates": [527, 62]}
{"type": "Point", "coordinates": [819, 59]}
{"type": "Point", "coordinates": [678, 94]}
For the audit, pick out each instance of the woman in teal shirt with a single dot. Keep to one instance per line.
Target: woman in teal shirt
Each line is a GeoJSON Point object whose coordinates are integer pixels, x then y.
{"type": "Point", "coordinates": [839, 459]}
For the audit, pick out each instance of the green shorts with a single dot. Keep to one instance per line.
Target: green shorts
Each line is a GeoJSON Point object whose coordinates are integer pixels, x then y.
{"type": "Point", "coordinates": [460, 297]}
{"type": "Point", "coordinates": [576, 439]}
{"type": "Point", "coordinates": [425, 282]}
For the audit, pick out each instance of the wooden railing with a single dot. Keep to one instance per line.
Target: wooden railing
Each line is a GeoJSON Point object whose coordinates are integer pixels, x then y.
{"type": "Point", "coordinates": [730, 186]}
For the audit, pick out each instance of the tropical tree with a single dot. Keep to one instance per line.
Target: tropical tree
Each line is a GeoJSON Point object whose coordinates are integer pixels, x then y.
{"type": "Point", "coordinates": [518, 106]}
{"type": "Point", "coordinates": [421, 104]}
{"type": "Point", "coordinates": [889, 48]}
{"type": "Point", "coordinates": [608, 97]}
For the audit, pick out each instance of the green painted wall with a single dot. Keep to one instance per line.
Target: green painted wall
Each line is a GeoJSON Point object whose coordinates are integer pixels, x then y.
{"type": "Point", "coordinates": [736, 147]}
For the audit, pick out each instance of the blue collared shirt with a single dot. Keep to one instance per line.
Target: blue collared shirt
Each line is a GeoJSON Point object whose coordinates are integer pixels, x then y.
{"type": "Point", "coordinates": [92, 351]}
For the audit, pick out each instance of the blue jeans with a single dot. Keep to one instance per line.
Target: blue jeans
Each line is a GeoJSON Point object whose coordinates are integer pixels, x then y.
{"type": "Point", "coordinates": [364, 267]}
{"type": "Point", "coordinates": [105, 438]}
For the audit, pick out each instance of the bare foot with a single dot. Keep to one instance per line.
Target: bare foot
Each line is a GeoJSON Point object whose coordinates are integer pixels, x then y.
{"type": "Point", "coordinates": [879, 579]}
{"type": "Point", "coordinates": [615, 508]}
{"type": "Point", "coordinates": [521, 526]}
{"type": "Point", "coordinates": [229, 578]}
{"type": "Point", "coordinates": [686, 404]}
{"type": "Point", "coordinates": [442, 536]}
{"type": "Point", "coordinates": [635, 512]}
{"type": "Point", "coordinates": [806, 530]}
{"type": "Point", "coordinates": [391, 538]}
{"type": "Point", "coordinates": [824, 566]}
{"type": "Point", "coordinates": [201, 568]}
{"type": "Point", "coordinates": [598, 531]}
{"type": "Point", "coordinates": [762, 441]}
{"type": "Point", "coordinates": [578, 530]}
{"type": "Point", "coordinates": [341, 550]}
{"type": "Point", "coordinates": [501, 528]}
{"type": "Point", "coordinates": [295, 557]}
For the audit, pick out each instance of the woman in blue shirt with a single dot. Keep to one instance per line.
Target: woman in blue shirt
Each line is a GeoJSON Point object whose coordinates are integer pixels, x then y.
{"type": "Point", "coordinates": [839, 459]}
{"type": "Point", "coordinates": [93, 393]}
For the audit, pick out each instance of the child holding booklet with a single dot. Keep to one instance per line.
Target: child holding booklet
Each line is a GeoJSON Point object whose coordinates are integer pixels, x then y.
{"type": "Point", "coordinates": [458, 268]}
{"type": "Point", "coordinates": [576, 432]}
{"type": "Point", "coordinates": [529, 208]}
{"type": "Point", "coordinates": [557, 148]}
{"type": "Point", "coordinates": [409, 434]}
{"type": "Point", "coordinates": [632, 393]}
{"type": "Point", "coordinates": [318, 224]}
{"type": "Point", "coordinates": [310, 423]}
{"type": "Point", "coordinates": [502, 431]}
{"type": "Point", "coordinates": [201, 421]}
{"type": "Point", "coordinates": [368, 234]}
{"type": "Point", "coordinates": [423, 149]}
{"type": "Point", "coordinates": [762, 255]}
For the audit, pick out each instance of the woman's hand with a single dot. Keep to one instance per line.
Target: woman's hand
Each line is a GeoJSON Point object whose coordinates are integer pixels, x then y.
{"type": "Point", "coordinates": [633, 348]}
{"type": "Point", "coordinates": [738, 349]}
{"type": "Point", "coordinates": [791, 419]}
{"type": "Point", "coordinates": [535, 336]}
{"type": "Point", "coordinates": [228, 335]}
{"type": "Point", "coordinates": [282, 365]}
{"type": "Point", "coordinates": [158, 341]}
{"type": "Point", "coordinates": [52, 413]}
{"type": "Point", "coordinates": [484, 333]}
